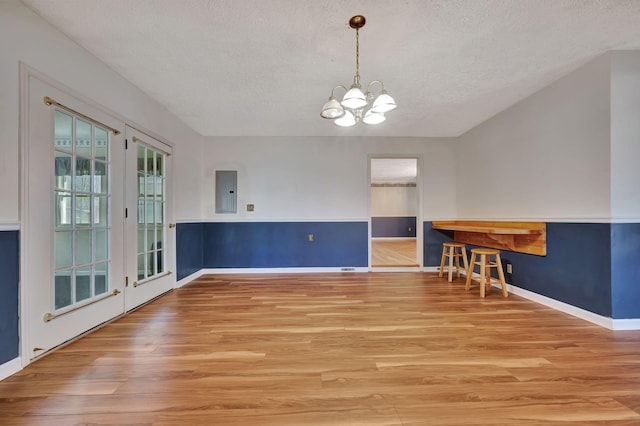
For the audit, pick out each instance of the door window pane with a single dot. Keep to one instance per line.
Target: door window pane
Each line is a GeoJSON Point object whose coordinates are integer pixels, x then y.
{"type": "Point", "coordinates": [142, 266]}
{"type": "Point", "coordinates": [141, 159]}
{"type": "Point", "coordinates": [100, 178]}
{"type": "Point", "coordinates": [159, 164]}
{"type": "Point", "coordinates": [63, 131]}
{"type": "Point", "coordinates": [63, 249]}
{"type": "Point", "coordinates": [101, 144]}
{"type": "Point", "coordinates": [83, 138]}
{"type": "Point", "coordinates": [62, 283]}
{"type": "Point", "coordinates": [83, 247]}
{"type": "Point", "coordinates": [100, 206]}
{"type": "Point", "coordinates": [101, 278]}
{"type": "Point", "coordinates": [83, 283]}
{"type": "Point", "coordinates": [83, 210]}
{"type": "Point", "coordinates": [101, 245]}
{"type": "Point", "coordinates": [63, 170]}
{"type": "Point", "coordinates": [62, 209]}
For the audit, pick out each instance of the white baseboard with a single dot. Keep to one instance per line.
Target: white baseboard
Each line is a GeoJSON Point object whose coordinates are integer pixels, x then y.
{"type": "Point", "coordinates": [10, 367]}
{"type": "Point", "coordinates": [189, 278]}
{"type": "Point", "coordinates": [280, 270]}
{"type": "Point", "coordinates": [626, 324]}
{"type": "Point", "coordinates": [606, 322]}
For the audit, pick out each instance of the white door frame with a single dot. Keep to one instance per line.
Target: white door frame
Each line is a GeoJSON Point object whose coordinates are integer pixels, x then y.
{"type": "Point", "coordinates": [419, 213]}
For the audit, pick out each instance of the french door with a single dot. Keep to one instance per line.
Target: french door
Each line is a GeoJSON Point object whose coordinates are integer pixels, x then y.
{"type": "Point", "coordinates": [73, 218]}
{"type": "Point", "coordinates": [150, 236]}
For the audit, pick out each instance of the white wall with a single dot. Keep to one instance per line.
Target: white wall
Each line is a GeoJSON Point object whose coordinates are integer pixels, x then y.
{"type": "Point", "coordinates": [25, 37]}
{"type": "Point", "coordinates": [394, 201]}
{"type": "Point", "coordinates": [546, 158]}
{"type": "Point", "coordinates": [625, 135]}
{"type": "Point", "coordinates": [320, 178]}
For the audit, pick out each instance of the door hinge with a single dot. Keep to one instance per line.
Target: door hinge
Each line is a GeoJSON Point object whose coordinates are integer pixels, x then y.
{"type": "Point", "coordinates": [126, 281]}
{"type": "Point", "coordinates": [126, 212]}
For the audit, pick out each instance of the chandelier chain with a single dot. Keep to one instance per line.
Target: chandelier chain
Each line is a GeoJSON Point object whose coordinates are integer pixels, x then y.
{"type": "Point", "coordinates": [357, 56]}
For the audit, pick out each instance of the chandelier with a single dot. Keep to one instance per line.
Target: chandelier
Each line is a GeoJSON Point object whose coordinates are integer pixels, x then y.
{"type": "Point", "coordinates": [357, 105]}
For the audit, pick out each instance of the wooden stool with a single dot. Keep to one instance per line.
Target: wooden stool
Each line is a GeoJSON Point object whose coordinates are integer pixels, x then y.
{"type": "Point", "coordinates": [486, 264]}
{"type": "Point", "coordinates": [451, 251]}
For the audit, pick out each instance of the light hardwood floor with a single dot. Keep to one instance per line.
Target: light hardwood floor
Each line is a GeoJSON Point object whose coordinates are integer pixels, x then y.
{"type": "Point", "coordinates": [393, 252]}
{"type": "Point", "coordinates": [334, 349]}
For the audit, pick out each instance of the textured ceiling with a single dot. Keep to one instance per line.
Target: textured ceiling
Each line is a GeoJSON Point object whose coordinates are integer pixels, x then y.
{"type": "Point", "coordinates": [265, 67]}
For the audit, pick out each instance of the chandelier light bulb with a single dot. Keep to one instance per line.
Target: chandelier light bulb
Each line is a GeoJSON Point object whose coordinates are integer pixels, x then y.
{"type": "Point", "coordinates": [371, 117]}
{"type": "Point", "coordinates": [347, 120]}
{"type": "Point", "coordinates": [332, 109]}
{"type": "Point", "coordinates": [383, 103]}
{"type": "Point", "coordinates": [354, 98]}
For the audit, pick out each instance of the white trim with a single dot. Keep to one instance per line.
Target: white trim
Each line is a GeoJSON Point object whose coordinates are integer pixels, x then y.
{"type": "Point", "coordinates": [189, 278]}
{"type": "Point", "coordinates": [9, 226]}
{"type": "Point", "coordinates": [364, 219]}
{"type": "Point", "coordinates": [544, 219]}
{"type": "Point", "coordinates": [310, 270]}
{"type": "Point", "coordinates": [269, 220]}
{"type": "Point", "coordinates": [10, 367]}
{"type": "Point", "coordinates": [393, 238]}
{"type": "Point", "coordinates": [395, 269]}
{"type": "Point", "coordinates": [561, 306]}
{"type": "Point", "coordinates": [626, 324]}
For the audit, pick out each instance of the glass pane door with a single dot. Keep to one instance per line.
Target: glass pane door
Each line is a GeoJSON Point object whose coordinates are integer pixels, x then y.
{"type": "Point", "coordinates": [150, 238]}
{"type": "Point", "coordinates": [73, 274]}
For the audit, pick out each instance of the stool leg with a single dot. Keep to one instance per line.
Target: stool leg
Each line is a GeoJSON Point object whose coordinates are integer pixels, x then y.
{"type": "Point", "coordinates": [449, 276]}
{"type": "Point", "coordinates": [488, 276]}
{"type": "Point", "coordinates": [457, 263]}
{"type": "Point", "coordinates": [470, 272]}
{"type": "Point", "coordinates": [483, 271]}
{"type": "Point", "coordinates": [503, 284]}
{"type": "Point", "coordinates": [444, 252]}
{"type": "Point", "coordinates": [464, 259]}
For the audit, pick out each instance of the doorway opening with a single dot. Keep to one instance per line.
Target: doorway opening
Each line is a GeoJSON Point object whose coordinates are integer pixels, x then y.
{"type": "Point", "coordinates": [395, 231]}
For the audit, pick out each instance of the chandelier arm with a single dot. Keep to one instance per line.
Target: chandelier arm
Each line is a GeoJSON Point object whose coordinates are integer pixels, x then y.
{"type": "Point", "coordinates": [339, 85]}
{"type": "Point", "coordinates": [376, 81]}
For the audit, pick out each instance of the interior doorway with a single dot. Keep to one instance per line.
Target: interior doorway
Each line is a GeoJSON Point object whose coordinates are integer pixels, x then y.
{"type": "Point", "coordinates": [395, 225]}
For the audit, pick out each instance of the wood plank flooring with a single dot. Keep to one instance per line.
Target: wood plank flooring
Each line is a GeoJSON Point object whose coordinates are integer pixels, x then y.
{"type": "Point", "coordinates": [334, 349]}
{"type": "Point", "coordinates": [393, 252]}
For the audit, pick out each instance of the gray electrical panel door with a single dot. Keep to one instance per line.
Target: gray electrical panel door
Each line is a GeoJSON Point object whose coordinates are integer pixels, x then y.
{"type": "Point", "coordinates": [226, 191]}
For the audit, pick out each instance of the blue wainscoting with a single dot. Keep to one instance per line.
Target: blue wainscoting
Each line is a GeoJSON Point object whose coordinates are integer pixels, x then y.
{"type": "Point", "coordinates": [189, 249]}
{"type": "Point", "coordinates": [432, 241]}
{"type": "Point", "coordinates": [285, 244]}
{"type": "Point", "coordinates": [9, 282]}
{"type": "Point", "coordinates": [397, 226]}
{"type": "Point", "coordinates": [577, 269]}
{"type": "Point", "coordinates": [625, 270]}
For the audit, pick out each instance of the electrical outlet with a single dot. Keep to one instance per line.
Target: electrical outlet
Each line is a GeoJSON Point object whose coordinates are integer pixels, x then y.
{"type": "Point", "coordinates": [310, 237]}
{"type": "Point", "coordinates": [250, 207]}
{"type": "Point", "coordinates": [509, 268]}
